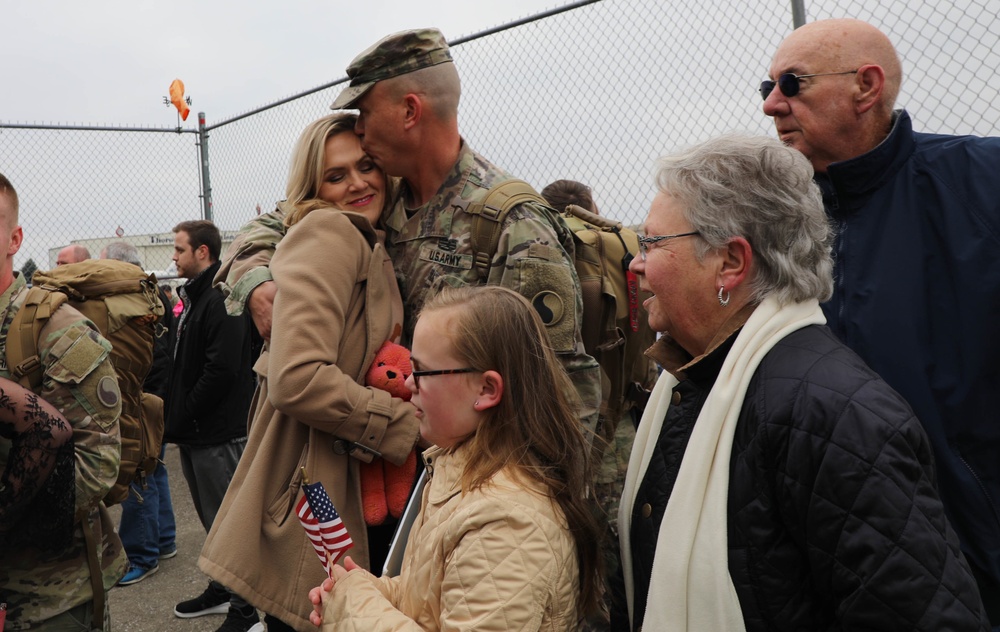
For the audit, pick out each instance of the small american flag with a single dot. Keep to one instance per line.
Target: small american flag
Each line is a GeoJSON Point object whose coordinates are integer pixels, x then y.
{"type": "Point", "coordinates": [323, 525]}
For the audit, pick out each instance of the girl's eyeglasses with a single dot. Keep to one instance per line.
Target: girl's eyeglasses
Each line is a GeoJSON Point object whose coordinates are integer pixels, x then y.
{"type": "Point", "coordinates": [419, 374]}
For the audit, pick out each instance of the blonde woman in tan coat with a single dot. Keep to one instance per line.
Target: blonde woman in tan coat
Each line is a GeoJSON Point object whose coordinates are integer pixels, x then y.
{"type": "Point", "coordinates": [506, 538]}
{"type": "Point", "coordinates": [337, 302]}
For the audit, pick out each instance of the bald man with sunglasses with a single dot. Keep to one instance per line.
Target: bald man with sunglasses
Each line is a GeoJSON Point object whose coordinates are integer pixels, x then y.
{"type": "Point", "coordinates": [917, 254]}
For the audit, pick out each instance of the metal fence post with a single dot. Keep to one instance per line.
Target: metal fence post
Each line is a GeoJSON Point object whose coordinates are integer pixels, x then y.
{"type": "Point", "coordinates": [206, 183]}
{"type": "Point", "coordinates": [798, 13]}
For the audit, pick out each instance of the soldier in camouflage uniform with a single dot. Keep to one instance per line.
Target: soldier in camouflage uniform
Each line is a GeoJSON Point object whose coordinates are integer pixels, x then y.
{"type": "Point", "coordinates": [48, 585]}
{"type": "Point", "coordinates": [407, 90]}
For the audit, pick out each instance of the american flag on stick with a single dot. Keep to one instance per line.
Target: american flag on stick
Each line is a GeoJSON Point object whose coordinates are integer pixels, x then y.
{"type": "Point", "coordinates": [322, 524]}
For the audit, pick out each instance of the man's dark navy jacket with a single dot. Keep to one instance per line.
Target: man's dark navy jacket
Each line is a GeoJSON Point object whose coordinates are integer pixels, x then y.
{"type": "Point", "coordinates": [917, 295]}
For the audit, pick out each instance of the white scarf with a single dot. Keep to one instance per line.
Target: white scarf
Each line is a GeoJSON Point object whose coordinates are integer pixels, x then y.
{"type": "Point", "coordinates": [690, 588]}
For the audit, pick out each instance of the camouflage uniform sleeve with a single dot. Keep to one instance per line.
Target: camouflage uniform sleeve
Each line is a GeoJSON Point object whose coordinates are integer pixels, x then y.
{"type": "Point", "coordinates": [80, 382]}
{"type": "Point", "coordinates": [535, 259]}
{"type": "Point", "coordinates": [246, 263]}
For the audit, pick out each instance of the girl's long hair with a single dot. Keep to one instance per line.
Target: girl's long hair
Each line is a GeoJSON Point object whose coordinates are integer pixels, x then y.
{"type": "Point", "coordinates": [305, 175]}
{"type": "Point", "coordinates": [535, 430]}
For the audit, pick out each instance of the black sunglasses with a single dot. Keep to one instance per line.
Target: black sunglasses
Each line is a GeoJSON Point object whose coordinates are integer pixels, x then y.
{"type": "Point", "coordinates": [789, 85]}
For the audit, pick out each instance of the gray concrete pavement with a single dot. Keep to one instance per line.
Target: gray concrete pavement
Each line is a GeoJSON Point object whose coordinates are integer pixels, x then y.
{"type": "Point", "coordinates": [149, 605]}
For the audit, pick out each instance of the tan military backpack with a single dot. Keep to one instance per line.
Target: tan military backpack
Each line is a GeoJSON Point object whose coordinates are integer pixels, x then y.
{"type": "Point", "coordinates": [615, 332]}
{"type": "Point", "coordinates": [123, 302]}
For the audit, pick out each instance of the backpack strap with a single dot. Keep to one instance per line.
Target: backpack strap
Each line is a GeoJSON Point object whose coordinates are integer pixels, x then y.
{"type": "Point", "coordinates": [488, 217]}
{"type": "Point", "coordinates": [96, 576]}
{"type": "Point", "coordinates": [592, 218]}
{"type": "Point", "coordinates": [22, 338]}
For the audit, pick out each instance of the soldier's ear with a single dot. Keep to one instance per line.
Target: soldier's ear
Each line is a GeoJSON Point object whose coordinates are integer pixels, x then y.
{"type": "Point", "coordinates": [413, 110]}
{"type": "Point", "coordinates": [16, 238]}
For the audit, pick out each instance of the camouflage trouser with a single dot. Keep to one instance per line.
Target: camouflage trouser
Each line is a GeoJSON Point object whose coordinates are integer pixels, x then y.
{"type": "Point", "coordinates": [78, 619]}
{"type": "Point", "coordinates": [608, 485]}
{"type": "Point", "coordinates": [611, 471]}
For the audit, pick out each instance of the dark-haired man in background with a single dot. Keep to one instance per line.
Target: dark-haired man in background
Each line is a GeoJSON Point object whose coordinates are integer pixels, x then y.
{"type": "Point", "coordinates": [208, 400]}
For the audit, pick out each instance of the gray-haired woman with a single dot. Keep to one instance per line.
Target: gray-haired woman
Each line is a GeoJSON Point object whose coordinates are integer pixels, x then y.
{"type": "Point", "coordinates": [776, 482]}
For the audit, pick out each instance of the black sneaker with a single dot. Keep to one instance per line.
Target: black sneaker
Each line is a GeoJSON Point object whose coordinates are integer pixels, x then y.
{"type": "Point", "coordinates": [212, 601]}
{"type": "Point", "coordinates": [242, 620]}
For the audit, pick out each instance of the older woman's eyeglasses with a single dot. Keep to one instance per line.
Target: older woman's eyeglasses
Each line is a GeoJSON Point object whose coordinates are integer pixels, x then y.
{"type": "Point", "coordinates": [789, 84]}
{"type": "Point", "coordinates": [646, 242]}
{"type": "Point", "coordinates": [419, 374]}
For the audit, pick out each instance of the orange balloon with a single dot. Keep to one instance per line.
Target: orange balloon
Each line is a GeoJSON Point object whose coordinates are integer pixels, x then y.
{"type": "Point", "coordinates": [177, 98]}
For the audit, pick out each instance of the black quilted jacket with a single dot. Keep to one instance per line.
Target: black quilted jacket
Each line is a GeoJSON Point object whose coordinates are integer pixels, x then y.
{"type": "Point", "coordinates": [834, 519]}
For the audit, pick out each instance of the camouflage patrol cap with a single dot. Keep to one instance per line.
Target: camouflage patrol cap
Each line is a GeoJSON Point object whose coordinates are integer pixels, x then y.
{"type": "Point", "coordinates": [393, 55]}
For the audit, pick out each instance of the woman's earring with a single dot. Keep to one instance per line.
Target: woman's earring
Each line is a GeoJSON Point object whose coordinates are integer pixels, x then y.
{"type": "Point", "coordinates": [476, 404]}
{"type": "Point", "coordinates": [723, 301]}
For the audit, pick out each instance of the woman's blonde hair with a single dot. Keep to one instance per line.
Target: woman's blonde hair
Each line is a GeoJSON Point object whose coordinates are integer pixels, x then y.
{"type": "Point", "coordinates": [535, 430]}
{"type": "Point", "coordinates": [305, 176]}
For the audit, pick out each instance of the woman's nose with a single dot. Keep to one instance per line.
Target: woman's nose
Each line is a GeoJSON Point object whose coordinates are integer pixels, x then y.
{"type": "Point", "coordinates": [355, 181]}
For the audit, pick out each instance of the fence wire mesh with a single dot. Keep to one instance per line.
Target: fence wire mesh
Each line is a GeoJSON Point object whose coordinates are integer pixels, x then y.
{"type": "Point", "coordinates": [593, 93]}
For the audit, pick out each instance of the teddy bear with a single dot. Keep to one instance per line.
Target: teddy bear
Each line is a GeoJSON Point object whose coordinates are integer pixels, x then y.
{"type": "Point", "coordinates": [385, 487]}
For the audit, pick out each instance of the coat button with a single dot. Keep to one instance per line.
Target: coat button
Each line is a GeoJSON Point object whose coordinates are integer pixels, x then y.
{"type": "Point", "coordinates": [647, 510]}
{"type": "Point", "coordinates": [340, 447]}
{"type": "Point", "coordinates": [676, 399]}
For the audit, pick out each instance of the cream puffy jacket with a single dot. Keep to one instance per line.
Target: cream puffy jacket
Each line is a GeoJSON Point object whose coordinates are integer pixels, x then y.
{"type": "Point", "coordinates": [497, 558]}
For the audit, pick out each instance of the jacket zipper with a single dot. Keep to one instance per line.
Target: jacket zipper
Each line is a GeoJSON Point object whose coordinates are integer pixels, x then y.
{"type": "Point", "coordinates": [996, 513]}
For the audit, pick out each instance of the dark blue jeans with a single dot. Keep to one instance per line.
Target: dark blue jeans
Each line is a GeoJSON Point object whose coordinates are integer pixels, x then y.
{"type": "Point", "coordinates": [147, 528]}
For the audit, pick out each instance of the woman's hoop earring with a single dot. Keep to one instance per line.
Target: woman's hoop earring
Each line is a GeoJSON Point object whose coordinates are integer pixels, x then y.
{"type": "Point", "coordinates": [723, 301]}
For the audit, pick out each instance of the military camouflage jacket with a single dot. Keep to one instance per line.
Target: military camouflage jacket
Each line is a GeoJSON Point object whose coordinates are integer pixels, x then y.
{"type": "Point", "coordinates": [246, 262]}
{"type": "Point", "coordinates": [430, 249]}
{"type": "Point", "coordinates": [80, 381]}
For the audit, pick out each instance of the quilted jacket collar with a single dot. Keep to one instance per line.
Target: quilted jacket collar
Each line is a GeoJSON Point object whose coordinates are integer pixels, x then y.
{"type": "Point", "coordinates": [444, 468]}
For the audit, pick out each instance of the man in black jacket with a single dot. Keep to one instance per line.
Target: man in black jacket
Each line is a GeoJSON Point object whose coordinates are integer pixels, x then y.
{"type": "Point", "coordinates": [208, 400]}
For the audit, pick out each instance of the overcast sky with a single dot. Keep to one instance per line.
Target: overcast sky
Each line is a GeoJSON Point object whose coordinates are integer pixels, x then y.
{"type": "Point", "coordinates": [594, 95]}
{"type": "Point", "coordinates": [111, 62]}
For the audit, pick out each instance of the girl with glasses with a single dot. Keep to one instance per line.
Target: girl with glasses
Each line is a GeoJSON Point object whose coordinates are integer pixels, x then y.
{"type": "Point", "coordinates": [506, 538]}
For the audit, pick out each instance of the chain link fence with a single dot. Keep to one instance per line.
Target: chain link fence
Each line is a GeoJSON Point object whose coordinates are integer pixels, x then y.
{"type": "Point", "coordinates": [594, 91]}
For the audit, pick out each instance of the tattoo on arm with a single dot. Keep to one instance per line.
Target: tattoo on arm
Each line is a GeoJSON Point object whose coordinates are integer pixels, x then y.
{"type": "Point", "coordinates": [37, 432]}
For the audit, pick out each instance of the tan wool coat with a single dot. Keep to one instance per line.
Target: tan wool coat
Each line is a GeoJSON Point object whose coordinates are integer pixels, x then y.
{"type": "Point", "coordinates": [332, 312]}
{"type": "Point", "coordinates": [494, 559]}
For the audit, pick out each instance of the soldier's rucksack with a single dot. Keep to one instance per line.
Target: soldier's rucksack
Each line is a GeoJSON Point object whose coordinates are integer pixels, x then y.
{"type": "Point", "coordinates": [614, 331]}
{"type": "Point", "coordinates": [123, 302]}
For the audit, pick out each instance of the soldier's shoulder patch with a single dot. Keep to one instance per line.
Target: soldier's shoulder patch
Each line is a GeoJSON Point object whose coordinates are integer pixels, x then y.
{"type": "Point", "coordinates": [550, 307]}
{"type": "Point", "coordinates": [552, 291]}
{"type": "Point", "coordinates": [108, 392]}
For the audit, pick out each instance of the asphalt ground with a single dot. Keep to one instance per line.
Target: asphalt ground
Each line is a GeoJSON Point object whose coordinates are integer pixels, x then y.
{"type": "Point", "coordinates": [148, 606]}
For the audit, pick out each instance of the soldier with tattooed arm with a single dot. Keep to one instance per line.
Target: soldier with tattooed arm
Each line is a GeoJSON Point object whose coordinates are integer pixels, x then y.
{"type": "Point", "coordinates": [59, 454]}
